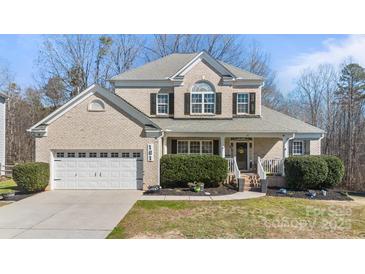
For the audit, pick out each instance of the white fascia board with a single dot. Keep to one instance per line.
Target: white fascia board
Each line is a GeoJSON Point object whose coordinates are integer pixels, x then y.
{"type": "Point", "coordinates": [309, 136]}
{"type": "Point", "coordinates": [66, 107]}
{"type": "Point", "coordinates": [203, 56]}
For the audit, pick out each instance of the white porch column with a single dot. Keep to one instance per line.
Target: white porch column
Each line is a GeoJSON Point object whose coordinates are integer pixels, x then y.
{"type": "Point", "coordinates": [164, 145]}
{"type": "Point", "coordinates": [222, 147]}
{"type": "Point", "coordinates": [286, 140]}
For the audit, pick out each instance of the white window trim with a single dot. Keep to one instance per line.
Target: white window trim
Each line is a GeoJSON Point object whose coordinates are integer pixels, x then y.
{"type": "Point", "coordinates": [202, 103]}
{"type": "Point", "coordinates": [200, 149]}
{"type": "Point", "coordinates": [298, 141]}
{"type": "Point", "coordinates": [168, 103]}
{"type": "Point", "coordinates": [248, 103]}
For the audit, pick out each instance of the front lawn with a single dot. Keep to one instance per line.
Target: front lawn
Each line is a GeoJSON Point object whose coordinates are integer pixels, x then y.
{"type": "Point", "coordinates": [267, 217]}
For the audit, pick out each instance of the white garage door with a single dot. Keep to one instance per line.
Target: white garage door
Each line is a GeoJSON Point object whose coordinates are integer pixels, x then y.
{"type": "Point", "coordinates": [97, 170]}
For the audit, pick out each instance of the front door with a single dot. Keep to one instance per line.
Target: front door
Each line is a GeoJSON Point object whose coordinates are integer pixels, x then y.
{"type": "Point", "coordinates": [241, 155]}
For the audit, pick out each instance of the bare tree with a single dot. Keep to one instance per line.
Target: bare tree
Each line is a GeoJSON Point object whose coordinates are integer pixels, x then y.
{"type": "Point", "coordinates": [312, 85]}
{"type": "Point", "coordinates": [124, 53]}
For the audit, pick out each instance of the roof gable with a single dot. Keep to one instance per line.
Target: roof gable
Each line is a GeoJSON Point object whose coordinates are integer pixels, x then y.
{"type": "Point", "coordinates": [103, 93]}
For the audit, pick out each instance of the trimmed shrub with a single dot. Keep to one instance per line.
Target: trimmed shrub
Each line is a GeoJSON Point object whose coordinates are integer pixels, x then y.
{"type": "Point", "coordinates": [336, 170]}
{"type": "Point", "coordinates": [31, 177]}
{"type": "Point", "coordinates": [179, 170]}
{"type": "Point", "coordinates": [305, 172]}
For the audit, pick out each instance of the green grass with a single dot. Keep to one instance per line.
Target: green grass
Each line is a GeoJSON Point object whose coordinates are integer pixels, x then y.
{"type": "Point", "coordinates": [267, 217]}
{"type": "Point", "coordinates": [7, 186]}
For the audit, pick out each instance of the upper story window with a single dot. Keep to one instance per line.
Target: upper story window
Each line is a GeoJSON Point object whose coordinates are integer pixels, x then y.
{"type": "Point", "coordinates": [298, 148]}
{"type": "Point", "coordinates": [162, 103]}
{"type": "Point", "coordinates": [202, 98]}
{"type": "Point", "coordinates": [243, 103]}
{"type": "Point", "coordinates": [96, 105]}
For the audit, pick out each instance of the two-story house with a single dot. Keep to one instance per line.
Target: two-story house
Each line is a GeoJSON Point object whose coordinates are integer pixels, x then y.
{"type": "Point", "coordinates": [179, 104]}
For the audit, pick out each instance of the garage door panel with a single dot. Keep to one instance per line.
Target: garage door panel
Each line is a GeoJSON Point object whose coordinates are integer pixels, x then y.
{"type": "Point", "coordinates": [97, 173]}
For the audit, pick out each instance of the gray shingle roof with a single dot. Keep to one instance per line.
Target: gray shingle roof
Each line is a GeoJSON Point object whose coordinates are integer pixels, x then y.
{"type": "Point", "coordinates": [271, 122]}
{"type": "Point", "coordinates": [159, 69]}
{"type": "Point", "coordinates": [240, 73]}
{"type": "Point", "coordinates": [168, 66]}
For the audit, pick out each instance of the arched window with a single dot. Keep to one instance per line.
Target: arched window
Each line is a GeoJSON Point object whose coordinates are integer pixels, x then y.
{"type": "Point", "coordinates": [96, 105]}
{"type": "Point", "coordinates": [202, 98]}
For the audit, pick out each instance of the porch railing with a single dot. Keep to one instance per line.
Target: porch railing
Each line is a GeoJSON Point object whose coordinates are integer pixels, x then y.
{"type": "Point", "coordinates": [272, 166]}
{"type": "Point", "coordinates": [233, 167]}
{"type": "Point", "coordinates": [260, 169]}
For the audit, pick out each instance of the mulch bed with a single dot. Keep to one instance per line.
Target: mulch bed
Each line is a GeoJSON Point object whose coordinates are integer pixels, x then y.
{"type": "Point", "coordinates": [216, 191]}
{"type": "Point", "coordinates": [17, 197]}
{"type": "Point", "coordinates": [331, 194]}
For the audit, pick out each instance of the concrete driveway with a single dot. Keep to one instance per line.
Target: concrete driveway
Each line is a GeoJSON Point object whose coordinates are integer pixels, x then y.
{"type": "Point", "coordinates": [76, 214]}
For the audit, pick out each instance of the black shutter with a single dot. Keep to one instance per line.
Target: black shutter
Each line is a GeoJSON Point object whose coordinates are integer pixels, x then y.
{"type": "Point", "coordinates": [307, 147]}
{"type": "Point", "coordinates": [187, 103]}
{"type": "Point", "coordinates": [252, 103]}
{"type": "Point", "coordinates": [171, 103]}
{"type": "Point", "coordinates": [216, 147]}
{"type": "Point", "coordinates": [234, 103]}
{"type": "Point", "coordinates": [218, 103]}
{"type": "Point", "coordinates": [153, 103]}
{"type": "Point", "coordinates": [173, 146]}
{"type": "Point", "coordinates": [290, 147]}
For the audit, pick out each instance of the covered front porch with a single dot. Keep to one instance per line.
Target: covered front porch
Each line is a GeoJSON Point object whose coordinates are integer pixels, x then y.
{"type": "Point", "coordinates": [246, 150]}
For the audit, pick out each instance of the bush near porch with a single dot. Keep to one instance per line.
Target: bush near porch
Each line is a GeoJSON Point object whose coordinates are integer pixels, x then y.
{"type": "Point", "coordinates": [313, 172]}
{"type": "Point", "coordinates": [31, 177]}
{"type": "Point", "coordinates": [179, 170]}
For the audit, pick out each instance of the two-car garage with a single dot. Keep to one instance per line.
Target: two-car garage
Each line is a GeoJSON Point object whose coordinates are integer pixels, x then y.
{"type": "Point", "coordinates": [80, 169]}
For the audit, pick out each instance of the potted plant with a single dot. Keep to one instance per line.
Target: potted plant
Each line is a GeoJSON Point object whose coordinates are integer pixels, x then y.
{"type": "Point", "coordinates": [196, 186]}
{"type": "Point", "coordinates": [8, 195]}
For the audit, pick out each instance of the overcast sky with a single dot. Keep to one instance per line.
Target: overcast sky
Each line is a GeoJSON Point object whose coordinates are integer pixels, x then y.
{"type": "Point", "coordinates": [290, 54]}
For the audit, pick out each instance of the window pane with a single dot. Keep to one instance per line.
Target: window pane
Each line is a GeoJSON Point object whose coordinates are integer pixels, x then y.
{"type": "Point", "coordinates": [125, 154]}
{"type": "Point", "coordinates": [195, 147]}
{"type": "Point", "coordinates": [196, 108]}
{"type": "Point", "coordinates": [196, 98]}
{"type": "Point", "coordinates": [71, 154]}
{"type": "Point", "coordinates": [82, 154]}
{"type": "Point", "coordinates": [182, 147]}
{"type": "Point", "coordinates": [162, 109]}
{"type": "Point", "coordinates": [209, 108]}
{"type": "Point", "coordinates": [199, 87]}
{"type": "Point", "coordinates": [207, 147]}
{"type": "Point", "coordinates": [242, 108]}
{"type": "Point", "coordinates": [242, 98]}
{"type": "Point", "coordinates": [209, 98]}
{"type": "Point", "coordinates": [92, 154]}
{"type": "Point", "coordinates": [136, 154]}
{"type": "Point", "coordinates": [115, 154]}
{"type": "Point", "coordinates": [103, 154]}
{"type": "Point", "coordinates": [162, 98]}
{"type": "Point", "coordinates": [297, 148]}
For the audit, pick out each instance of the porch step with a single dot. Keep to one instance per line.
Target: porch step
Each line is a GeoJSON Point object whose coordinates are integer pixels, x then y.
{"type": "Point", "coordinates": [251, 182]}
